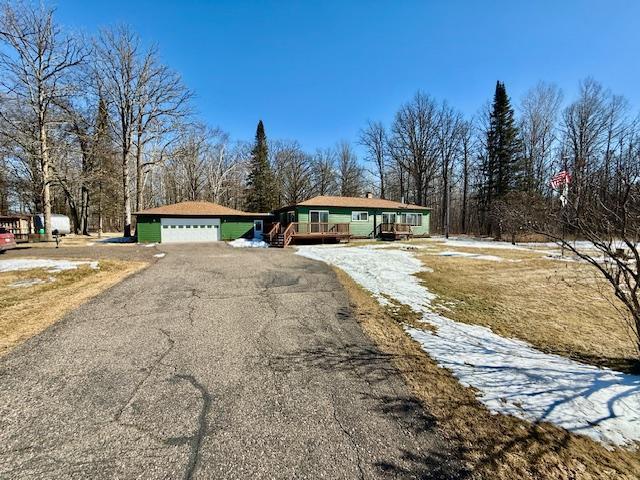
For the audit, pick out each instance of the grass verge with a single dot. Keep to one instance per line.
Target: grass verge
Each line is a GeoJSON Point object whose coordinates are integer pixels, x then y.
{"type": "Point", "coordinates": [27, 311]}
{"type": "Point", "coordinates": [497, 447]}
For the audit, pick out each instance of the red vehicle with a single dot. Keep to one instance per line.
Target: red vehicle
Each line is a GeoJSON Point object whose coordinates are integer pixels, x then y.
{"type": "Point", "coordinates": [7, 240]}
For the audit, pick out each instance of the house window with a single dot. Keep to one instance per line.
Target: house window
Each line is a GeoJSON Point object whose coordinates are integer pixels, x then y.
{"type": "Point", "coordinates": [413, 219]}
{"type": "Point", "coordinates": [359, 216]}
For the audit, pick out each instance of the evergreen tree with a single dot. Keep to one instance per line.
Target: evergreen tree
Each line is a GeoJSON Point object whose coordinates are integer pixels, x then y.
{"type": "Point", "coordinates": [261, 186]}
{"type": "Point", "coordinates": [502, 160]}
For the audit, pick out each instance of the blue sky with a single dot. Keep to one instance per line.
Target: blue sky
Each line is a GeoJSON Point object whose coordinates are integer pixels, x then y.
{"type": "Point", "coordinates": [316, 71]}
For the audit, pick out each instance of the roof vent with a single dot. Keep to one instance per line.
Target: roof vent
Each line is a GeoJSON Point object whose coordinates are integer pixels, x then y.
{"type": "Point", "coordinates": [369, 195]}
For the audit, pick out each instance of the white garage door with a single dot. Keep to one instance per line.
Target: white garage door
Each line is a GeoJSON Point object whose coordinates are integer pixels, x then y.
{"type": "Point", "coordinates": [175, 230]}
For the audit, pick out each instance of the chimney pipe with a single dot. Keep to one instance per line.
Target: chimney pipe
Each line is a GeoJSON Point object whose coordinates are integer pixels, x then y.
{"type": "Point", "coordinates": [369, 195]}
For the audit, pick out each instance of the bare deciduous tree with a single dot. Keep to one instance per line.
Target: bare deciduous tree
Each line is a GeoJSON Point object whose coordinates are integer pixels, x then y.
{"type": "Point", "coordinates": [538, 124]}
{"type": "Point", "coordinates": [374, 138]}
{"type": "Point", "coordinates": [349, 171]}
{"type": "Point", "coordinates": [323, 173]}
{"type": "Point", "coordinates": [37, 72]}
{"type": "Point", "coordinates": [414, 142]}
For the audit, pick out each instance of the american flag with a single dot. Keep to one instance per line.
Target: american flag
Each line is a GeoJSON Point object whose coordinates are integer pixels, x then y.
{"type": "Point", "coordinates": [561, 178]}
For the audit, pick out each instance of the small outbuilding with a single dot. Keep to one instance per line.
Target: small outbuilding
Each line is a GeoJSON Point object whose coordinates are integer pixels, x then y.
{"type": "Point", "coordinates": [190, 222]}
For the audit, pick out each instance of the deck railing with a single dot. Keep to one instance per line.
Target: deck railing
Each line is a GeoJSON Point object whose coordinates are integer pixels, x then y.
{"type": "Point", "coordinates": [273, 230]}
{"type": "Point", "coordinates": [395, 228]}
{"type": "Point", "coordinates": [319, 228]}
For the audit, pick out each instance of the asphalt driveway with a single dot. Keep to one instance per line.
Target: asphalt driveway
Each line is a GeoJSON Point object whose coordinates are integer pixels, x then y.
{"type": "Point", "coordinates": [213, 363]}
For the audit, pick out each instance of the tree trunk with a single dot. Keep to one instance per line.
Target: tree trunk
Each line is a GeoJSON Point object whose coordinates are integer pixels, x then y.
{"type": "Point", "coordinates": [465, 192]}
{"type": "Point", "coordinates": [100, 220]}
{"type": "Point", "coordinates": [139, 175]}
{"type": "Point", "coordinates": [126, 194]}
{"type": "Point", "coordinates": [84, 211]}
{"type": "Point", "coordinates": [46, 192]}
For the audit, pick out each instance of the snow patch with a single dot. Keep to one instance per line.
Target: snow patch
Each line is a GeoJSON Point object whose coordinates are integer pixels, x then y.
{"type": "Point", "coordinates": [159, 255]}
{"type": "Point", "coordinates": [49, 265]}
{"type": "Point", "coordinates": [511, 376]}
{"type": "Point", "coordinates": [244, 243]}
{"type": "Point", "coordinates": [476, 256]}
{"type": "Point", "coordinates": [29, 282]}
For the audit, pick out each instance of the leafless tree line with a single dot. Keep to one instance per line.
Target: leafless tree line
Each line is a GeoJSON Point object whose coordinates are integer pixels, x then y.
{"type": "Point", "coordinates": [431, 155]}
{"type": "Point", "coordinates": [99, 127]}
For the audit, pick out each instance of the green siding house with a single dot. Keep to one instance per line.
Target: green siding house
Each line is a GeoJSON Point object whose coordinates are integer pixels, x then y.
{"type": "Point", "coordinates": [189, 222]}
{"type": "Point", "coordinates": [341, 218]}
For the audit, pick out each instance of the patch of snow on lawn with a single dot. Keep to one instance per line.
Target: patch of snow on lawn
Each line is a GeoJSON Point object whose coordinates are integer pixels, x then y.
{"type": "Point", "coordinates": [511, 376]}
{"type": "Point", "coordinates": [476, 256]}
{"type": "Point", "coordinates": [48, 265]}
{"type": "Point", "coordinates": [244, 243]}
{"type": "Point", "coordinates": [471, 242]}
{"type": "Point", "coordinates": [29, 282]}
{"type": "Point", "coordinates": [159, 255]}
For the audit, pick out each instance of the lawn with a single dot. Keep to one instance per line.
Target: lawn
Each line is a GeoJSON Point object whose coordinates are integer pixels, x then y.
{"type": "Point", "coordinates": [31, 300]}
{"type": "Point", "coordinates": [560, 307]}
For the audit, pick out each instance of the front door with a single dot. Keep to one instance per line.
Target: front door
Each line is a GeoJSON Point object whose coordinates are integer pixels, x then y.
{"type": "Point", "coordinates": [257, 229]}
{"type": "Point", "coordinates": [318, 220]}
{"type": "Point", "coordinates": [388, 218]}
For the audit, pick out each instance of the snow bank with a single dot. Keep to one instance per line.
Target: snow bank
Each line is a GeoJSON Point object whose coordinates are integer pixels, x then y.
{"type": "Point", "coordinates": [244, 243]}
{"type": "Point", "coordinates": [511, 376]}
{"type": "Point", "coordinates": [48, 265]}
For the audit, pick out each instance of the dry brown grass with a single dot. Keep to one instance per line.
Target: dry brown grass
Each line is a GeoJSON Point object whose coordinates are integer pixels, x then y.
{"type": "Point", "coordinates": [496, 447]}
{"type": "Point", "coordinates": [560, 307]}
{"type": "Point", "coordinates": [27, 311]}
{"type": "Point", "coordinates": [73, 240]}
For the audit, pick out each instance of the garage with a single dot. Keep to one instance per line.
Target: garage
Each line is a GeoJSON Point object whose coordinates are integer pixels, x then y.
{"type": "Point", "coordinates": [198, 222]}
{"type": "Point", "coordinates": [181, 230]}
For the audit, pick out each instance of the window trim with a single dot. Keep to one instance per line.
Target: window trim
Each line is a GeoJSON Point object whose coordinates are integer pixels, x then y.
{"type": "Point", "coordinates": [359, 212]}
{"type": "Point", "coordinates": [319, 211]}
{"type": "Point", "coordinates": [416, 215]}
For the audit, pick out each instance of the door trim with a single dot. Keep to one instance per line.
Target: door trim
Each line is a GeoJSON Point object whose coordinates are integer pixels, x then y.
{"type": "Point", "coordinates": [258, 235]}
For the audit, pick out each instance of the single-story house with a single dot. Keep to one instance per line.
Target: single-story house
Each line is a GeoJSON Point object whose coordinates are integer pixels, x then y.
{"type": "Point", "coordinates": [197, 222]}
{"type": "Point", "coordinates": [342, 218]}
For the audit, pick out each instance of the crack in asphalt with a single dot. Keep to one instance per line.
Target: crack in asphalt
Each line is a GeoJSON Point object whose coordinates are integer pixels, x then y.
{"type": "Point", "coordinates": [196, 439]}
{"type": "Point", "coordinates": [192, 307]}
{"type": "Point", "coordinates": [348, 435]}
{"type": "Point", "coordinates": [146, 377]}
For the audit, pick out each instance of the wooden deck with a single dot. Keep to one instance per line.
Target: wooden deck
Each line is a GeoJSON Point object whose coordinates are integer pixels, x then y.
{"type": "Point", "coordinates": [279, 235]}
{"type": "Point", "coordinates": [395, 231]}
{"type": "Point", "coordinates": [283, 235]}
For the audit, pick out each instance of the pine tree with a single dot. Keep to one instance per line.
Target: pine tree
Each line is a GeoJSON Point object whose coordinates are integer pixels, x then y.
{"type": "Point", "coordinates": [502, 160]}
{"type": "Point", "coordinates": [261, 186]}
